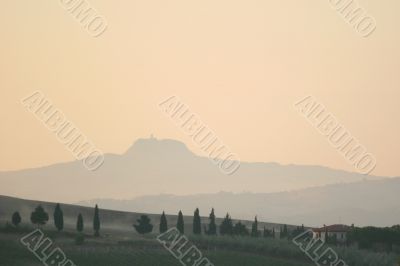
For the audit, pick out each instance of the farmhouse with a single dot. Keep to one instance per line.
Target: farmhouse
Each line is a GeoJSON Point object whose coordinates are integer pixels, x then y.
{"type": "Point", "coordinates": [336, 231]}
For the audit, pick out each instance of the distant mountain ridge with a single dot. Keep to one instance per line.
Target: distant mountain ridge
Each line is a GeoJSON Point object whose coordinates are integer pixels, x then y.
{"type": "Point", "coordinates": [362, 203]}
{"type": "Point", "coordinates": [152, 166]}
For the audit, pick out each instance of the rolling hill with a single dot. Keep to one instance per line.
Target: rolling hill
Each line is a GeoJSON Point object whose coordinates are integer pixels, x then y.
{"type": "Point", "coordinates": [362, 203]}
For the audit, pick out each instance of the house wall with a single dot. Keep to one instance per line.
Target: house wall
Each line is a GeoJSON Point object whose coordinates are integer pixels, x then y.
{"type": "Point", "coordinates": [340, 236]}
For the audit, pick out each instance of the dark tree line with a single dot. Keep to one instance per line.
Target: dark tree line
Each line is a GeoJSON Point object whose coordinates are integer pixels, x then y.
{"type": "Point", "coordinates": [143, 225]}
{"type": "Point", "coordinates": [40, 217]}
{"type": "Point", "coordinates": [227, 227]}
{"type": "Point", "coordinates": [375, 238]}
{"type": "Point", "coordinates": [367, 237]}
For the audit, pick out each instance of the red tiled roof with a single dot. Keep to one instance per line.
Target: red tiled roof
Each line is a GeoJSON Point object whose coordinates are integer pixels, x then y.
{"type": "Point", "coordinates": [333, 228]}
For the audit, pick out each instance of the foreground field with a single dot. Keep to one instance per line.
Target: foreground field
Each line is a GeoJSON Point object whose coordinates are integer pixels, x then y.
{"type": "Point", "coordinates": [119, 244]}
{"type": "Point", "coordinates": [127, 248]}
{"type": "Point", "coordinates": [135, 250]}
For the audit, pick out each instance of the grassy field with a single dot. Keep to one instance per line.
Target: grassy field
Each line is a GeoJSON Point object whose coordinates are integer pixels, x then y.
{"type": "Point", "coordinates": [128, 248]}
{"type": "Point", "coordinates": [119, 244]}
{"type": "Point", "coordinates": [112, 248]}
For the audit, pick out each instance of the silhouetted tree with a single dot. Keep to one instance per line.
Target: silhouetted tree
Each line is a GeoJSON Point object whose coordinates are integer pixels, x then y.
{"type": "Point", "coordinates": [273, 232]}
{"type": "Point", "coordinates": [58, 218]}
{"type": "Point", "coordinates": [96, 221]}
{"type": "Point", "coordinates": [16, 218]}
{"type": "Point", "coordinates": [79, 223]}
{"type": "Point", "coordinates": [144, 226]}
{"type": "Point", "coordinates": [254, 228]}
{"type": "Point", "coordinates": [284, 232]}
{"type": "Point", "coordinates": [212, 227]}
{"type": "Point", "coordinates": [267, 233]}
{"type": "Point", "coordinates": [226, 227]}
{"type": "Point", "coordinates": [326, 234]}
{"type": "Point", "coordinates": [39, 216]}
{"type": "Point", "coordinates": [163, 223]}
{"type": "Point", "coordinates": [298, 231]}
{"type": "Point", "coordinates": [196, 222]}
{"type": "Point", "coordinates": [240, 229]}
{"type": "Point", "coordinates": [180, 225]}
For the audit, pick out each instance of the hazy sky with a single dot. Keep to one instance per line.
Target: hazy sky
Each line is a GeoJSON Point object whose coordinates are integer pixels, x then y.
{"type": "Point", "coordinates": [240, 65]}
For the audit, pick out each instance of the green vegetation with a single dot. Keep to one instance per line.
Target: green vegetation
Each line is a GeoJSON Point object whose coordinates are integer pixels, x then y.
{"type": "Point", "coordinates": [226, 227]}
{"type": "Point", "coordinates": [254, 228]}
{"type": "Point", "coordinates": [80, 239]}
{"type": "Point", "coordinates": [180, 225]}
{"type": "Point", "coordinates": [143, 225]}
{"type": "Point", "coordinates": [374, 238]}
{"type": "Point", "coordinates": [234, 245]}
{"type": "Point", "coordinates": [16, 219]}
{"type": "Point", "coordinates": [96, 221]}
{"type": "Point", "coordinates": [58, 218]}
{"type": "Point", "coordinates": [79, 223]}
{"type": "Point", "coordinates": [212, 228]}
{"type": "Point", "coordinates": [39, 216]}
{"type": "Point", "coordinates": [163, 223]}
{"type": "Point", "coordinates": [240, 229]}
{"type": "Point", "coordinates": [284, 232]}
{"type": "Point", "coordinates": [139, 250]}
{"type": "Point", "coordinates": [196, 222]}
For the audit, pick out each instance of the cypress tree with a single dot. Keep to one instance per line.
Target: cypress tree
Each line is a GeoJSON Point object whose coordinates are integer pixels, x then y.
{"type": "Point", "coordinates": [285, 231]}
{"type": "Point", "coordinates": [326, 235]}
{"type": "Point", "coordinates": [96, 221]}
{"type": "Point", "coordinates": [266, 232]}
{"type": "Point", "coordinates": [254, 228]}
{"type": "Point", "coordinates": [180, 224]}
{"type": "Point", "coordinates": [58, 218]}
{"type": "Point", "coordinates": [212, 228]}
{"type": "Point", "coordinates": [226, 227]}
{"type": "Point", "coordinates": [163, 223]}
{"type": "Point", "coordinates": [79, 223]}
{"type": "Point", "coordinates": [16, 219]}
{"type": "Point", "coordinates": [273, 232]}
{"type": "Point", "coordinates": [196, 222]}
{"type": "Point", "coordinates": [240, 229]}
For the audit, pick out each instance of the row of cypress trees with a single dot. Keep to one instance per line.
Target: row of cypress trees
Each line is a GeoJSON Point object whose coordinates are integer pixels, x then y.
{"type": "Point", "coordinates": [180, 225]}
{"type": "Point", "coordinates": [226, 227]}
{"type": "Point", "coordinates": [59, 220]}
{"type": "Point", "coordinates": [40, 217]}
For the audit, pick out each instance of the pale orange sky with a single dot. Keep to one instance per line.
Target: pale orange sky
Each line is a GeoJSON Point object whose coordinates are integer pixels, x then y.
{"type": "Point", "coordinates": [240, 65]}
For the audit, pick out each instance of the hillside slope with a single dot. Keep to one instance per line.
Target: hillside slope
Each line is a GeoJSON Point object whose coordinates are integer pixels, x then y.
{"type": "Point", "coordinates": [362, 203]}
